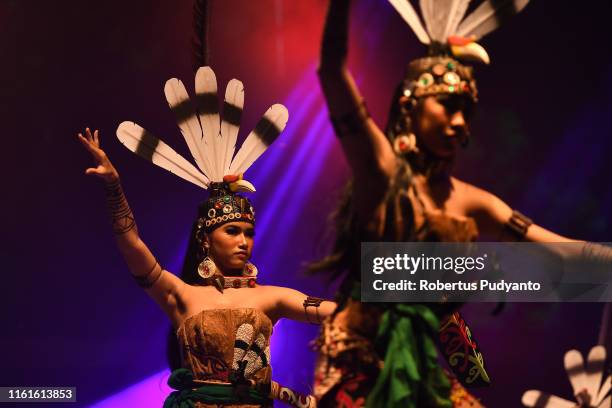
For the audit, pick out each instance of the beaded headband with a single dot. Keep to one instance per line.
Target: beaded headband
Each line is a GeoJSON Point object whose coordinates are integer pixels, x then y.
{"type": "Point", "coordinates": [223, 206]}
{"type": "Point", "coordinates": [439, 75]}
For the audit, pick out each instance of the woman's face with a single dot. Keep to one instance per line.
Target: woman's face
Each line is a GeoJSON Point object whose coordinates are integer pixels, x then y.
{"type": "Point", "coordinates": [230, 245]}
{"type": "Point", "coordinates": [441, 124]}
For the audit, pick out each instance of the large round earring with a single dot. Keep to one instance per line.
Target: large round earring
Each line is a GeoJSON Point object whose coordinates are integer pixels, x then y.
{"type": "Point", "coordinates": [207, 268]}
{"type": "Point", "coordinates": [405, 143]}
{"type": "Point", "coordinates": [249, 270]}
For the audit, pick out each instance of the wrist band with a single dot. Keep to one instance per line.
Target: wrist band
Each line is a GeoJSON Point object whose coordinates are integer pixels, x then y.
{"type": "Point", "coordinates": [315, 302]}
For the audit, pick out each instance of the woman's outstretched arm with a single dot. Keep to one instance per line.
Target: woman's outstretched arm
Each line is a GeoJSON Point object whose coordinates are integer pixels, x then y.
{"type": "Point", "coordinates": [291, 304]}
{"type": "Point", "coordinates": [162, 286]}
{"type": "Point", "coordinates": [498, 221]}
{"type": "Point", "coordinates": [367, 150]}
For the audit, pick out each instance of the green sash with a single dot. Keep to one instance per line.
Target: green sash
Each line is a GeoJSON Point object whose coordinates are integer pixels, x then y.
{"type": "Point", "coordinates": [411, 376]}
{"type": "Point", "coordinates": [186, 395]}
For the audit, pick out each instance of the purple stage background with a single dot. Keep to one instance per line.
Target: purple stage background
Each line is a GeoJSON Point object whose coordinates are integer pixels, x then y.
{"type": "Point", "coordinates": [71, 315]}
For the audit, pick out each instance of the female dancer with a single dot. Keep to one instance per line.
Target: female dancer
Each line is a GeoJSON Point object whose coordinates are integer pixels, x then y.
{"type": "Point", "coordinates": [403, 190]}
{"type": "Point", "coordinates": [223, 318]}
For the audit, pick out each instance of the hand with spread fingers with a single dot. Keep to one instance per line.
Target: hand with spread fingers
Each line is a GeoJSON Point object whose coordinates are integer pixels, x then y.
{"type": "Point", "coordinates": [104, 168]}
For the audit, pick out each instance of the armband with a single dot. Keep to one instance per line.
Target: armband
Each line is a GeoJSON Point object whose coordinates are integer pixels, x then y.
{"type": "Point", "coordinates": [517, 225]}
{"type": "Point", "coordinates": [351, 122]}
{"type": "Point", "coordinates": [147, 281]}
{"type": "Point", "coordinates": [312, 302]}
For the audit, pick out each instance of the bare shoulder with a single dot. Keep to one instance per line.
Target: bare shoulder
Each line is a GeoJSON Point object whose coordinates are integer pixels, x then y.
{"type": "Point", "coordinates": [472, 198]}
{"type": "Point", "coordinates": [279, 296]}
{"type": "Point", "coordinates": [467, 188]}
{"type": "Point", "coordinates": [265, 297]}
{"type": "Point", "coordinates": [490, 212]}
{"type": "Point", "coordinates": [273, 300]}
{"type": "Point", "coordinates": [276, 291]}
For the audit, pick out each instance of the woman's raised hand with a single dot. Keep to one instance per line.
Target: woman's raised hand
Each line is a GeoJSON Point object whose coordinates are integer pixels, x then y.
{"type": "Point", "coordinates": [104, 168]}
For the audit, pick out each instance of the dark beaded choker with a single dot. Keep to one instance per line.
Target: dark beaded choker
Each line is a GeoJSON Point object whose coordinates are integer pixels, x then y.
{"type": "Point", "coordinates": [229, 282]}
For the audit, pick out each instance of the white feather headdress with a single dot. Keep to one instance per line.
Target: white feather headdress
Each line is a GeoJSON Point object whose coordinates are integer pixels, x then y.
{"type": "Point", "coordinates": [445, 23]}
{"type": "Point", "coordinates": [590, 386]}
{"type": "Point", "coordinates": [211, 140]}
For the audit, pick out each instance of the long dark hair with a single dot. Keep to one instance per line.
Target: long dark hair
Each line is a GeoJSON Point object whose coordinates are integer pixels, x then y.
{"type": "Point", "coordinates": [190, 276]}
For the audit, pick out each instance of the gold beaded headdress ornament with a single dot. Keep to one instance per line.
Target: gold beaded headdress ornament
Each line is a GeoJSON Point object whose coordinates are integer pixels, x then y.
{"type": "Point", "coordinates": [452, 40]}
{"type": "Point", "coordinates": [212, 142]}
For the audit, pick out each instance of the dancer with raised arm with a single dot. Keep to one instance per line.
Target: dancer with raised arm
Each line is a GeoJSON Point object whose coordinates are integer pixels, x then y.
{"type": "Point", "coordinates": [403, 190]}
{"type": "Point", "coordinates": [222, 317]}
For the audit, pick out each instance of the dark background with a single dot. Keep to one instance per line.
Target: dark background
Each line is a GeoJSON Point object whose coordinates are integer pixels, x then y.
{"type": "Point", "coordinates": [70, 313]}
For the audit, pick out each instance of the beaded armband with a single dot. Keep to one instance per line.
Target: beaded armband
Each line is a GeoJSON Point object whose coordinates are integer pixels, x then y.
{"type": "Point", "coordinates": [147, 281]}
{"type": "Point", "coordinates": [517, 225]}
{"type": "Point", "coordinates": [351, 122]}
{"type": "Point", "coordinates": [315, 302]}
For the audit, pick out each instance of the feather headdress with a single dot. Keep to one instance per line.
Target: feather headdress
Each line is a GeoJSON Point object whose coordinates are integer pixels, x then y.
{"type": "Point", "coordinates": [589, 387]}
{"type": "Point", "coordinates": [211, 140]}
{"type": "Point", "coordinates": [451, 37]}
{"type": "Point", "coordinates": [212, 143]}
{"type": "Point", "coordinates": [448, 27]}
